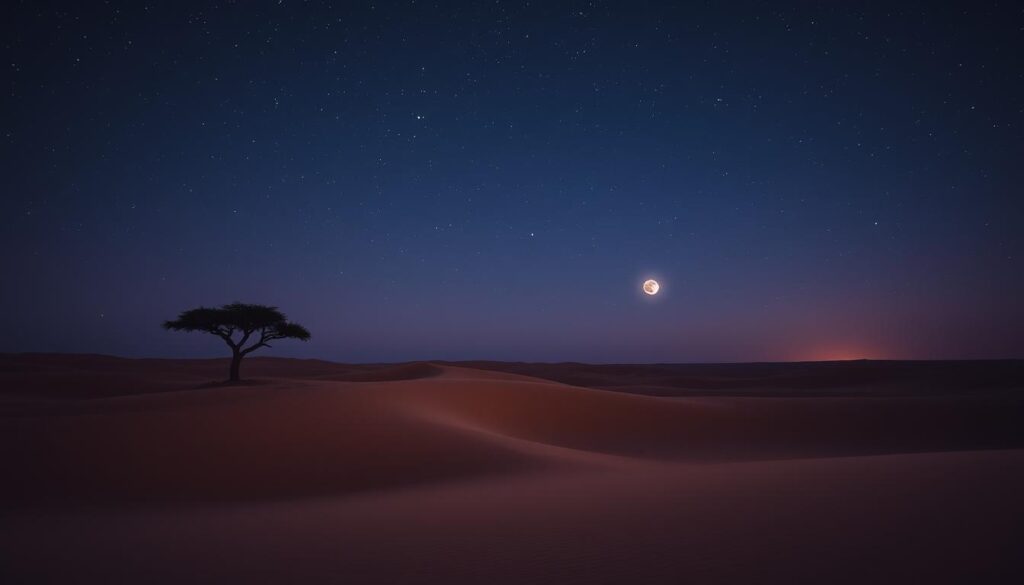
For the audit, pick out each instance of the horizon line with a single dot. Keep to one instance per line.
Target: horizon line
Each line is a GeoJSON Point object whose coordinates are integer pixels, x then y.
{"type": "Point", "coordinates": [478, 360]}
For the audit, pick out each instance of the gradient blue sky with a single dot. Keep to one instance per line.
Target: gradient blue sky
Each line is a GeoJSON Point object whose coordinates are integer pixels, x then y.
{"type": "Point", "coordinates": [808, 180]}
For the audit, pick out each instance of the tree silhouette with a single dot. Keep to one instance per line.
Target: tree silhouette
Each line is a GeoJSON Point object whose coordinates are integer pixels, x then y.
{"type": "Point", "coordinates": [237, 324]}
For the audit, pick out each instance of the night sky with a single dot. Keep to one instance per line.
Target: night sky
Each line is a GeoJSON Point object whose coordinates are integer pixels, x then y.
{"type": "Point", "coordinates": [416, 180]}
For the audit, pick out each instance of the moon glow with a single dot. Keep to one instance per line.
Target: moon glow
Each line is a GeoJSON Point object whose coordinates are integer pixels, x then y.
{"type": "Point", "coordinates": [651, 287]}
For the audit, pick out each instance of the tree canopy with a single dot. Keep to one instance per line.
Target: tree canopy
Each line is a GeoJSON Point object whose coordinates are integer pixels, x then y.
{"type": "Point", "coordinates": [239, 324]}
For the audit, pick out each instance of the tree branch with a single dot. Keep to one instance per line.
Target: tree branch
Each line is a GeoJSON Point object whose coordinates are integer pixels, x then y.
{"type": "Point", "coordinates": [225, 333]}
{"type": "Point", "coordinates": [254, 347]}
{"type": "Point", "coordinates": [245, 337]}
{"type": "Point", "coordinates": [264, 338]}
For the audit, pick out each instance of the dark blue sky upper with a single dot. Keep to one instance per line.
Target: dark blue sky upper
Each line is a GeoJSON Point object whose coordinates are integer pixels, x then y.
{"type": "Point", "coordinates": [416, 180]}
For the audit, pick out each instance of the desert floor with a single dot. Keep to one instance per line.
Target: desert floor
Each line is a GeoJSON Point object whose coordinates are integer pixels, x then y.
{"type": "Point", "coordinates": [143, 471]}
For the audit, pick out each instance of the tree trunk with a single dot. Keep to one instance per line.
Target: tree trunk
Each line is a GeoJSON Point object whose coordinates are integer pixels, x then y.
{"type": "Point", "coordinates": [236, 362]}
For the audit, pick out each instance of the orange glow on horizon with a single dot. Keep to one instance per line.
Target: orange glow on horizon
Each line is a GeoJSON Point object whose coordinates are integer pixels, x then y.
{"type": "Point", "coordinates": [838, 355]}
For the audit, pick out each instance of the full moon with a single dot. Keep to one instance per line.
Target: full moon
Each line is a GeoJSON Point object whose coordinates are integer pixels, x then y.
{"type": "Point", "coordinates": [651, 287]}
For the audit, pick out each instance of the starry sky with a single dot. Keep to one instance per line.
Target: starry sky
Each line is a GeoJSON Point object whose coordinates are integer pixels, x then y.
{"type": "Point", "coordinates": [495, 180]}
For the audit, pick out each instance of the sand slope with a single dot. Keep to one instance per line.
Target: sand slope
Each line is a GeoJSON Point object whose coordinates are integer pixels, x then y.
{"type": "Point", "coordinates": [141, 470]}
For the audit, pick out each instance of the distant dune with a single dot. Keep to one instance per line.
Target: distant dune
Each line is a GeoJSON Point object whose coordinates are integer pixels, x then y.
{"type": "Point", "coordinates": [840, 378]}
{"type": "Point", "coordinates": [151, 471]}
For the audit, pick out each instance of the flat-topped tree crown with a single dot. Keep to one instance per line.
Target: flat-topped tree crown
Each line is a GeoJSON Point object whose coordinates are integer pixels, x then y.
{"type": "Point", "coordinates": [239, 324]}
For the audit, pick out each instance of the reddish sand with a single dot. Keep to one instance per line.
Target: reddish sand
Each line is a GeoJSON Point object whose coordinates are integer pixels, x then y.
{"type": "Point", "coordinates": [141, 471]}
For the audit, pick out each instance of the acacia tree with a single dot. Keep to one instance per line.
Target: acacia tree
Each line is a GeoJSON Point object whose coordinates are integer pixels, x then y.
{"type": "Point", "coordinates": [238, 324]}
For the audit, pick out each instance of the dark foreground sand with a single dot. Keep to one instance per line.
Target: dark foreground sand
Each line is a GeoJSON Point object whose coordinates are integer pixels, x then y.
{"type": "Point", "coordinates": [140, 471]}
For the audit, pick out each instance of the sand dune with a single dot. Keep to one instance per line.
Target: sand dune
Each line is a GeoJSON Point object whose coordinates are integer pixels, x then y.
{"type": "Point", "coordinates": [143, 470]}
